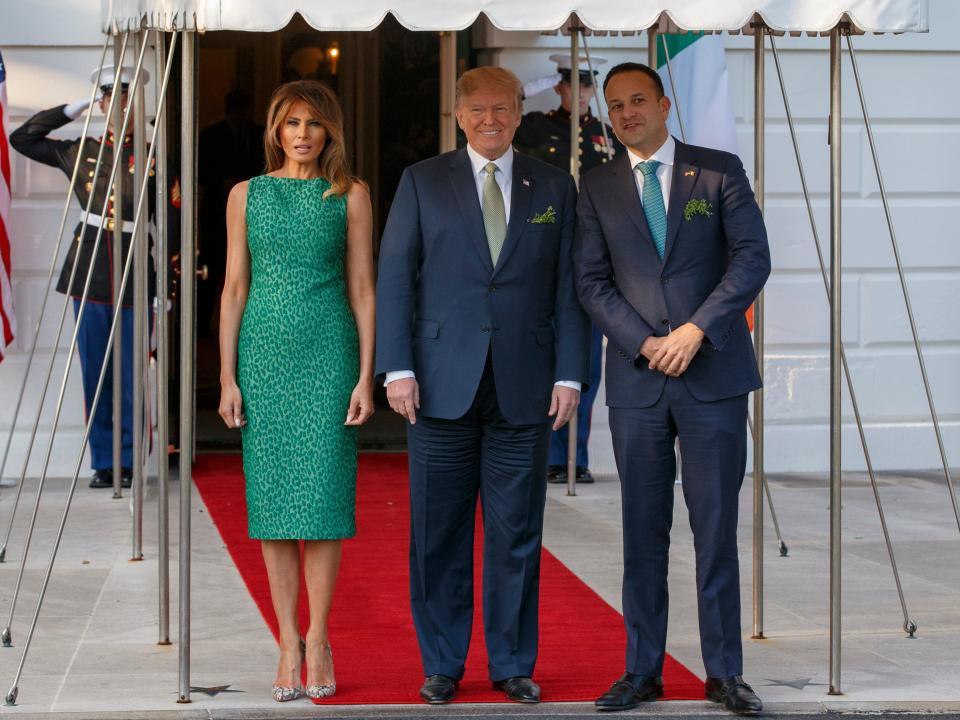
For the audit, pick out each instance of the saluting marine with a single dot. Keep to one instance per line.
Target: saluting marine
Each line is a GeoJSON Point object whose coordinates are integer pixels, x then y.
{"type": "Point", "coordinates": [31, 139]}
{"type": "Point", "coordinates": [546, 136]}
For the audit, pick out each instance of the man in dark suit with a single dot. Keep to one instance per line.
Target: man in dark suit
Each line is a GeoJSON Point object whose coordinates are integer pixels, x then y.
{"type": "Point", "coordinates": [481, 341]}
{"type": "Point", "coordinates": [670, 251]}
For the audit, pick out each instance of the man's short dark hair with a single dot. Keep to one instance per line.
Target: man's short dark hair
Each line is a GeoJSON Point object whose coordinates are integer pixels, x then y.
{"type": "Point", "coordinates": [635, 67]}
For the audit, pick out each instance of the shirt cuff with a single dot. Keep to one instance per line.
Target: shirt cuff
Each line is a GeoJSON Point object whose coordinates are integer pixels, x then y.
{"type": "Point", "coordinates": [573, 384]}
{"type": "Point", "coordinates": [397, 375]}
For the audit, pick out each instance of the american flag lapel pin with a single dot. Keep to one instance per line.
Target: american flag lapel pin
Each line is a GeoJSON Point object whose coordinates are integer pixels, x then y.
{"type": "Point", "coordinates": [688, 173]}
{"type": "Point", "coordinates": [526, 183]}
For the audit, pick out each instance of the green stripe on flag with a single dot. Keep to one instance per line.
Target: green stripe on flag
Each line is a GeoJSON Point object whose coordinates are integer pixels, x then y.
{"type": "Point", "coordinates": [675, 44]}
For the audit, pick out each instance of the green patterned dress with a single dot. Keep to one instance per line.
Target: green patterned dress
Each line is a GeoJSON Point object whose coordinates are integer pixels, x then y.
{"type": "Point", "coordinates": [298, 362]}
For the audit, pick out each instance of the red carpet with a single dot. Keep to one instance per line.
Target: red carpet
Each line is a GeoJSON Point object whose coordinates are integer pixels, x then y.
{"type": "Point", "coordinates": [375, 648]}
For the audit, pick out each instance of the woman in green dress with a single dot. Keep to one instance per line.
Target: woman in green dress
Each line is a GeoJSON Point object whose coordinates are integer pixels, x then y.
{"type": "Point", "coordinates": [296, 361]}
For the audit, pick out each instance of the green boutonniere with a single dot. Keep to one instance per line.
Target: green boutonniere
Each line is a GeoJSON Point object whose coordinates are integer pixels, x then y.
{"type": "Point", "coordinates": [547, 217]}
{"type": "Point", "coordinates": [697, 207]}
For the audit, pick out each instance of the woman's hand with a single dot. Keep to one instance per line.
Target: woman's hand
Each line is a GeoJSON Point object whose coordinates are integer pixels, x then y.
{"type": "Point", "coordinates": [231, 405]}
{"type": "Point", "coordinates": [361, 403]}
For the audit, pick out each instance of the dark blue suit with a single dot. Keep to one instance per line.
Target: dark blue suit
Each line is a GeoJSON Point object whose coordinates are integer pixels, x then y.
{"type": "Point", "coordinates": [713, 268]}
{"type": "Point", "coordinates": [487, 344]}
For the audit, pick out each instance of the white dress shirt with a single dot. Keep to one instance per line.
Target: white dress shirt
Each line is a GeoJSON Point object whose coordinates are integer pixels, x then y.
{"type": "Point", "coordinates": [504, 178]}
{"type": "Point", "coordinates": [664, 155]}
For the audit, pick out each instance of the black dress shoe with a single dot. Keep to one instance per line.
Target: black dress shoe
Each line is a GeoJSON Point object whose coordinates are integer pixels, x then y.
{"type": "Point", "coordinates": [584, 475]}
{"type": "Point", "coordinates": [126, 478]}
{"type": "Point", "coordinates": [519, 689]}
{"type": "Point", "coordinates": [102, 478]}
{"type": "Point", "coordinates": [629, 691]}
{"type": "Point", "coordinates": [438, 689]}
{"type": "Point", "coordinates": [734, 693]}
{"type": "Point", "coordinates": [556, 473]}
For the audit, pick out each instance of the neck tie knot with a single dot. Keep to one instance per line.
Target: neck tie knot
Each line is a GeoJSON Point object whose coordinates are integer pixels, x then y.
{"type": "Point", "coordinates": [490, 168]}
{"type": "Point", "coordinates": [648, 167]}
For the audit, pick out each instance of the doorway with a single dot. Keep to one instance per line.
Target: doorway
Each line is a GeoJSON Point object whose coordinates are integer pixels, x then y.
{"type": "Point", "coordinates": [387, 80]}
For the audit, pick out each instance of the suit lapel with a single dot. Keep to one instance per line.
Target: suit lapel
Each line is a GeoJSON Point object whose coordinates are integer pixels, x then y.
{"type": "Point", "coordinates": [465, 189]}
{"type": "Point", "coordinates": [627, 197]}
{"type": "Point", "coordinates": [685, 176]}
{"type": "Point", "coordinates": [521, 194]}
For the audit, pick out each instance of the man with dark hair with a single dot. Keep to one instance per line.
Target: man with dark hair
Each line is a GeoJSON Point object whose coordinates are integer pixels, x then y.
{"type": "Point", "coordinates": [670, 251]}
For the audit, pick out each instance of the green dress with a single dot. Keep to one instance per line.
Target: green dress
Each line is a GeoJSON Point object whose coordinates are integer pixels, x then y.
{"type": "Point", "coordinates": [298, 362]}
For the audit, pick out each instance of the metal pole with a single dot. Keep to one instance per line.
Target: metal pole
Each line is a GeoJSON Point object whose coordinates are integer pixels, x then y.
{"type": "Point", "coordinates": [652, 47]}
{"type": "Point", "coordinates": [781, 545]}
{"type": "Point", "coordinates": [903, 285]}
{"type": "Point", "coordinates": [188, 279]}
{"type": "Point", "coordinates": [759, 128]}
{"type": "Point", "coordinates": [575, 171]}
{"type": "Point", "coordinates": [909, 626]}
{"type": "Point", "coordinates": [53, 266]}
{"type": "Point", "coordinates": [117, 263]}
{"type": "Point", "coordinates": [11, 696]}
{"type": "Point", "coordinates": [835, 345]}
{"type": "Point", "coordinates": [139, 250]}
{"type": "Point", "coordinates": [596, 100]}
{"type": "Point", "coordinates": [163, 349]}
{"type": "Point", "coordinates": [6, 634]}
{"type": "Point", "coordinates": [673, 87]}
{"type": "Point", "coordinates": [448, 90]}
{"type": "Point", "coordinates": [56, 344]}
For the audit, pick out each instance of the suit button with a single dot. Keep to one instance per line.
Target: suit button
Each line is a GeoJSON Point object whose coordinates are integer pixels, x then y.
{"type": "Point", "coordinates": [664, 280]}
{"type": "Point", "coordinates": [664, 322]}
{"type": "Point", "coordinates": [485, 329]}
{"type": "Point", "coordinates": [491, 288]}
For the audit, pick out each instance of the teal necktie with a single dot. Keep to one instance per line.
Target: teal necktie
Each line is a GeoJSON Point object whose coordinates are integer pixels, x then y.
{"type": "Point", "coordinates": [652, 198]}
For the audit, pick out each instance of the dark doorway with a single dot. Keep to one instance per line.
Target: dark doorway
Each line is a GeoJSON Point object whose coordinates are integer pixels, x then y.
{"type": "Point", "coordinates": [387, 81]}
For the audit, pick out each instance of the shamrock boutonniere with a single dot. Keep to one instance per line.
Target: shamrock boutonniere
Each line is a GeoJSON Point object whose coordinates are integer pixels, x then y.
{"type": "Point", "coordinates": [547, 217]}
{"type": "Point", "coordinates": [697, 207]}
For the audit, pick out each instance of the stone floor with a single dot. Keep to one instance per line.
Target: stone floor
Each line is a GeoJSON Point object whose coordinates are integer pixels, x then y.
{"type": "Point", "coordinates": [95, 651]}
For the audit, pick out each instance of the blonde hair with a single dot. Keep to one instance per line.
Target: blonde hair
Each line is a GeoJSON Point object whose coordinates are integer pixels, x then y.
{"type": "Point", "coordinates": [489, 79]}
{"type": "Point", "coordinates": [324, 106]}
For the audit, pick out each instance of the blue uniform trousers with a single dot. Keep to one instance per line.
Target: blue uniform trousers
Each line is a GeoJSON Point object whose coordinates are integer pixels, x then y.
{"type": "Point", "coordinates": [713, 443]}
{"type": "Point", "coordinates": [559, 438]}
{"type": "Point", "coordinates": [92, 338]}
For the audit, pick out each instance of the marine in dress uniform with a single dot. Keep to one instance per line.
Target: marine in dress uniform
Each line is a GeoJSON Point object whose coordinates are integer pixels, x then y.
{"type": "Point", "coordinates": [546, 136]}
{"type": "Point", "coordinates": [31, 139]}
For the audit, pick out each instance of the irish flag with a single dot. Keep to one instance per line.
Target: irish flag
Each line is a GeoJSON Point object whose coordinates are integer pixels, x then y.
{"type": "Point", "coordinates": [700, 93]}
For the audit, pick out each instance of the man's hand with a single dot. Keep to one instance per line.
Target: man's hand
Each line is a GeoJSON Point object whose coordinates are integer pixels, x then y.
{"type": "Point", "coordinates": [563, 404]}
{"type": "Point", "coordinates": [675, 351]}
{"type": "Point", "coordinates": [404, 398]}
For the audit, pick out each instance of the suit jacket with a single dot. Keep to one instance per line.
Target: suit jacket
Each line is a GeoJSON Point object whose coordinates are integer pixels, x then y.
{"type": "Point", "coordinates": [442, 305]}
{"type": "Point", "coordinates": [714, 266]}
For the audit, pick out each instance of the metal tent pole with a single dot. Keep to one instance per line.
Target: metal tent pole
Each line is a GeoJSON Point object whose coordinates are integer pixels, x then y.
{"type": "Point", "coordinates": [836, 407]}
{"type": "Point", "coordinates": [139, 249]}
{"type": "Point", "coordinates": [448, 90]}
{"type": "Point", "coordinates": [596, 101]}
{"type": "Point", "coordinates": [7, 631]}
{"type": "Point", "coordinates": [117, 260]}
{"type": "Point", "coordinates": [903, 285]}
{"type": "Point", "coordinates": [163, 350]}
{"type": "Point", "coordinates": [652, 47]}
{"type": "Point", "coordinates": [909, 626]}
{"type": "Point", "coordinates": [575, 171]}
{"type": "Point", "coordinates": [139, 212]}
{"type": "Point", "coordinates": [759, 149]}
{"type": "Point", "coordinates": [53, 266]}
{"type": "Point", "coordinates": [188, 278]}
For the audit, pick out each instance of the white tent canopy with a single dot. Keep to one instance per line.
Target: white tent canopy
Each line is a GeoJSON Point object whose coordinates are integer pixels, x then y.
{"type": "Point", "coordinates": [872, 16]}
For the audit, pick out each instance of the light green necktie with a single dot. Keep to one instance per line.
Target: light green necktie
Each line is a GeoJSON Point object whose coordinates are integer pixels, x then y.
{"type": "Point", "coordinates": [494, 215]}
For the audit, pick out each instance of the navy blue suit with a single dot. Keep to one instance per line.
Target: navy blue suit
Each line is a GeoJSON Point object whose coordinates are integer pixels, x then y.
{"type": "Point", "coordinates": [713, 268]}
{"type": "Point", "coordinates": [487, 345]}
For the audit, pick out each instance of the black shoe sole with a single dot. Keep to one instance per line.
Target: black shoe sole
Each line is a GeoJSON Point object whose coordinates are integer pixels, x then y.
{"type": "Point", "coordinates": [647, 698]}
{"type": "Point", "coordinates": [719, 700]}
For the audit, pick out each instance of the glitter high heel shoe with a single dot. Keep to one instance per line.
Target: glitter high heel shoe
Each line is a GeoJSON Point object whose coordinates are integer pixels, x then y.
{"type": "Point", "coordinates": [315, 692]}
{"type": "Point", "coordinates": [282, 693]}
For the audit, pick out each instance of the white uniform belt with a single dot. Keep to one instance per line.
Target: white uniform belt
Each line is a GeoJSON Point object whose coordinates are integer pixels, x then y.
{"type": "Point", "coordinates": [108, 223]}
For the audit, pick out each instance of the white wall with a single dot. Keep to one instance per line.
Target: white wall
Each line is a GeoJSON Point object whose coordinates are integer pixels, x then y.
{"type": "Point", "coordinates": [910, 82]}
